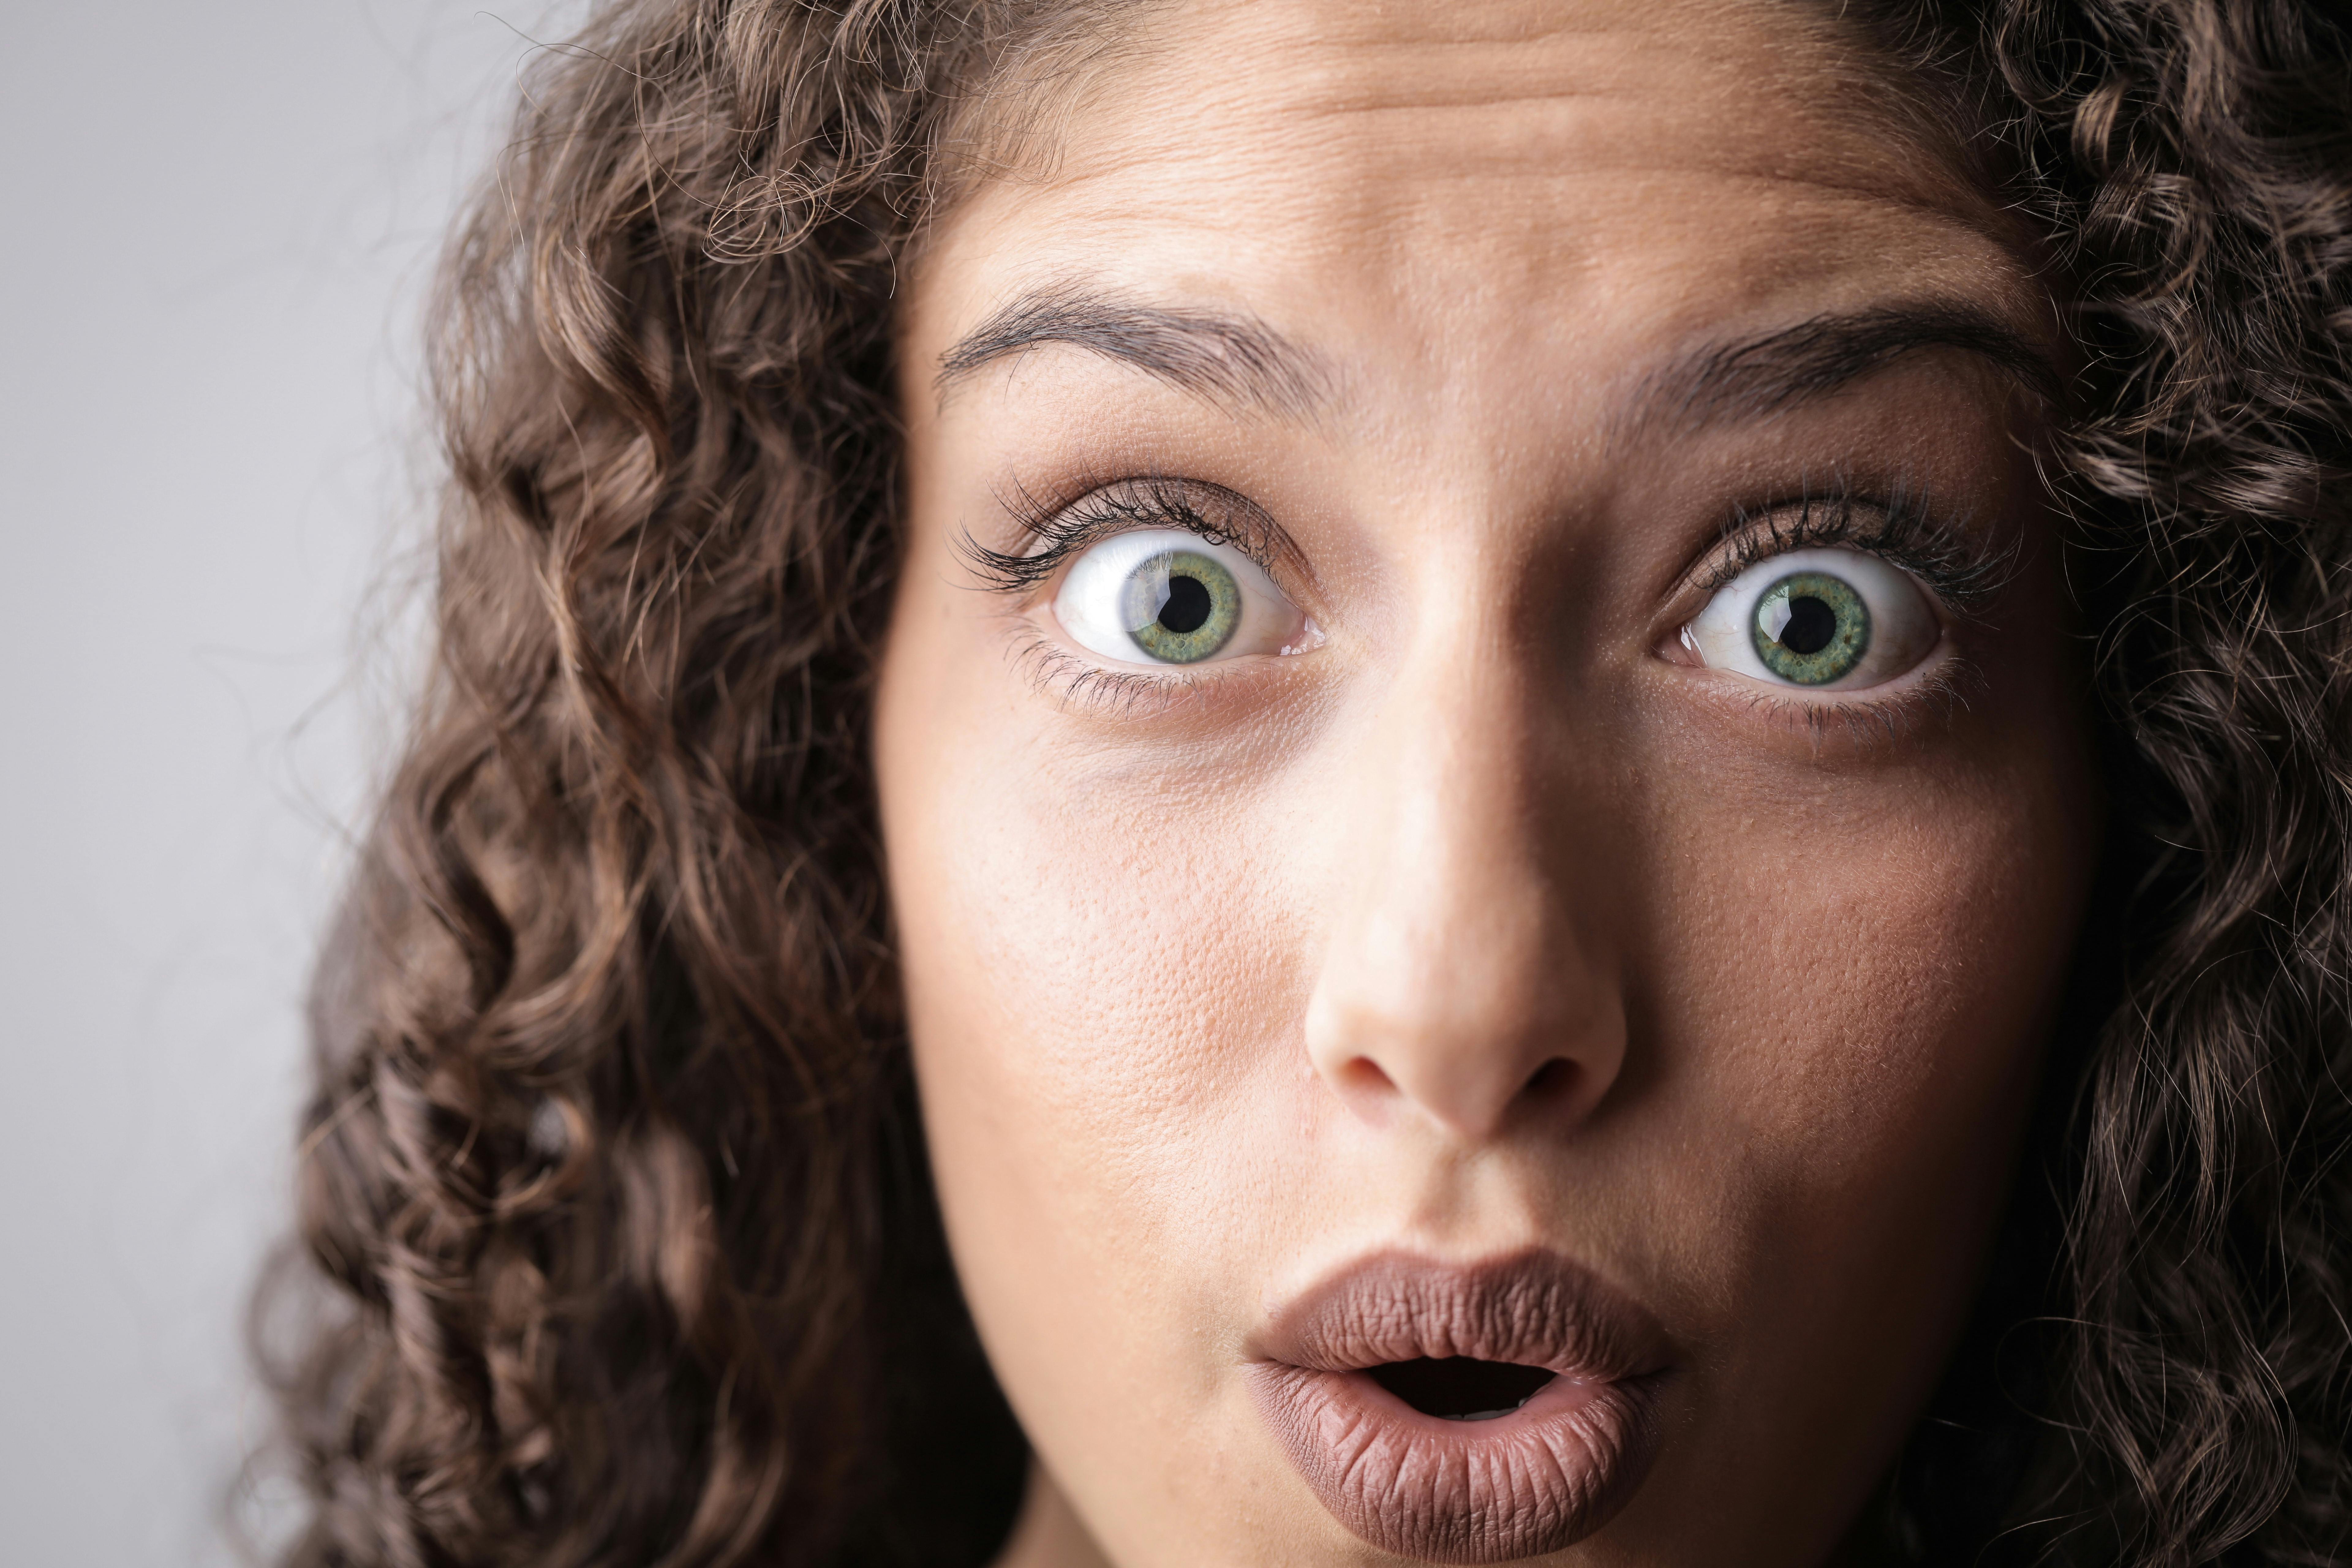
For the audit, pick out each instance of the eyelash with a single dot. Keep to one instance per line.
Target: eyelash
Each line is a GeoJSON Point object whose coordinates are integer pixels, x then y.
{"type": "Point", "coordinates": [1124, 693]}
{"type": "Point", "coordinates": [1061, 531]}
{"type": "Point", "coordinates": [1899, 526]}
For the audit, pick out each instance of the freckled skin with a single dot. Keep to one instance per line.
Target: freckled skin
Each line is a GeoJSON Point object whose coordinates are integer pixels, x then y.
{"type": "Point", "coordinates": [1212, 995]}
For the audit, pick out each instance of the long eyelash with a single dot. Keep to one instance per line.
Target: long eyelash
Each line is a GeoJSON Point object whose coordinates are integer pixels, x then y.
{"type": "Point", "coordinates": [1056, 531]}
{"type": "Point", "coordinates": [1899, 526]}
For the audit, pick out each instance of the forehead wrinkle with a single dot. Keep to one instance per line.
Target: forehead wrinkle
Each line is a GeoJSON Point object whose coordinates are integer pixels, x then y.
{"type": "Point", "coordinates": [1811, 222]}
{"type": "Point", "coordinates": [1553, 94]}
{"type": "Point", "coordinates": [1548, 163]}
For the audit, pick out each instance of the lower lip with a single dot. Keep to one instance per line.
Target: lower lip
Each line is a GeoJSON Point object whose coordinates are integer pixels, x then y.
{"type": "Point", "coordinates": [1536, 1481]}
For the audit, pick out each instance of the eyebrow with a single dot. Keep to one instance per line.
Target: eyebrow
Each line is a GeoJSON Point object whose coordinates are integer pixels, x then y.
{"type": "Point", "coordinates": [1235, 361]}
{"type": "Point", "coordinates": [1241, 363]}
{"type": "Point", "coordinates": [1754, 377]}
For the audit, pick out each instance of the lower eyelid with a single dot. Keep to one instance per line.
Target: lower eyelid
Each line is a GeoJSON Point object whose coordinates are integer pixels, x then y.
{"type": "Point", "coordinates": [1868, 716]}
{"type": "Point", "coordinates": [1129, 692]}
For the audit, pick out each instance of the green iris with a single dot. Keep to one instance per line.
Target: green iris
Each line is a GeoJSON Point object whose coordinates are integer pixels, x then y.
{"type": "Point", "coordinates": [1811, 628]}
{"type": "Point", "coordinates": [1183, 607]}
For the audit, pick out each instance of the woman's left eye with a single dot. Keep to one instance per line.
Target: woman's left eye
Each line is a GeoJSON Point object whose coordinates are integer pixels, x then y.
{"type": "Point", "coordinates": [1823, 619]}
{"type": "Point", "coordinates": [1166, 596]}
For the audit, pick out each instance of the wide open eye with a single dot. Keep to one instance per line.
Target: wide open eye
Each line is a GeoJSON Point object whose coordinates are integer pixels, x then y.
{"type": "Point", "coordinates": [1164, 595]}
{"type": "Point", "coordinates": [1826, 619]}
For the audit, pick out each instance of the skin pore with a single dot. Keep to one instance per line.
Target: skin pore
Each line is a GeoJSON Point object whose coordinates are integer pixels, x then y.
{"type": "Point", "coordinates": [1459, 904]}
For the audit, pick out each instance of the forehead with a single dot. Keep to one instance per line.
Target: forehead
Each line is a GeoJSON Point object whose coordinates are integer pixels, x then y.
{"type": "Point", "coordinates": [1469, 181]}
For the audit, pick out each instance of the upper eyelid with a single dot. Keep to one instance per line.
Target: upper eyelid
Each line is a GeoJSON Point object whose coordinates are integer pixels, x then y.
{"type": "Point", "coordinates": [1249, 540]}
{"type": "Point", "coordinates": [1956, 570]}
{"type": "Point", "coordinates": [1169, 502]}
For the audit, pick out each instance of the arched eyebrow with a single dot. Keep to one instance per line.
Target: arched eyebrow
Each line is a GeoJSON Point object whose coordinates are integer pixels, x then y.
{"type": "Point", "coordinates": [1235, 361]}
{"type": "Point", "coordinates": [1240, 363]}
{"type": "Point", "coordinates": [1754, 377]}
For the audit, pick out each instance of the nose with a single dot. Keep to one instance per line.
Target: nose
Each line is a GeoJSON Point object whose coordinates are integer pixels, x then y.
{"type": "Point", "coordinates": [1463, 981]}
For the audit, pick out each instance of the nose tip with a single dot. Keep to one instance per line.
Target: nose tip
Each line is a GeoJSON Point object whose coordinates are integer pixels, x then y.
{"type": "Point", "coordinates": [1477, 1078]}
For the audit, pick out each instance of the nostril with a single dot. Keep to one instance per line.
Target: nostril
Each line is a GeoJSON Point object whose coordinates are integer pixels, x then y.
{"type": "Point", "coordinates": [1364, 1076]}
{"type": "Point", "coordinates": [1551, 1080]}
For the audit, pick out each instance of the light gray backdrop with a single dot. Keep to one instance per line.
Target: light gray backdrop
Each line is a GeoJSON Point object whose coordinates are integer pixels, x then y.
{"type": "Point", "coordinates": [215, 225]}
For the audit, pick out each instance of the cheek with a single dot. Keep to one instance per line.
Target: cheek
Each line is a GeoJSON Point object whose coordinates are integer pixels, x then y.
{"type": "Point", "coordinates": [1099, 992]}
{"type": "Point", "coordinates": [1869, 977]}
{"type": "Point", "coordinates": [1101, 967]}
{"type": "Point", "coordinates": [1870, 982]}
{"type": "Point", "coordinates": [1102, 1023]}
{"type": "Point", "coordinates": [1845, 998]}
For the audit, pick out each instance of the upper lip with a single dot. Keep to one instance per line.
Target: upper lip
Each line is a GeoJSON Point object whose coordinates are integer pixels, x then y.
{"type": "Point", "coordinates": [1535, 1308]}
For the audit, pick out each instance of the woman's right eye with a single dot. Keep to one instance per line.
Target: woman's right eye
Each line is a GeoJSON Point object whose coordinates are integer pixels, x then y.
{"type": "Point", "coordinates": [1166, 596]}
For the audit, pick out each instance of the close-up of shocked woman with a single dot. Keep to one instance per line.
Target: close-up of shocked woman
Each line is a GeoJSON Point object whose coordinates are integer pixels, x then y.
{"type": "Point", "coordinates": [1304, 781]}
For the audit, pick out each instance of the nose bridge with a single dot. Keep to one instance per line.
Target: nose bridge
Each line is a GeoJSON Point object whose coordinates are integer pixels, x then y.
{"type": "Point", "coordinates": [1460, 883]}
{"type": "Point", "coordinates": [1455, 979]}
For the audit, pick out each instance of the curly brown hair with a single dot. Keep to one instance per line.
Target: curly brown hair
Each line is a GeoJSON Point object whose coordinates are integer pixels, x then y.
{"type": "Point", "coordinates": [612, 1164]}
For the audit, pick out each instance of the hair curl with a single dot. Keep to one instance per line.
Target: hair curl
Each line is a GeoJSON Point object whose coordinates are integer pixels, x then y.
{"type": "Point", "coordinates": [611, 1164]}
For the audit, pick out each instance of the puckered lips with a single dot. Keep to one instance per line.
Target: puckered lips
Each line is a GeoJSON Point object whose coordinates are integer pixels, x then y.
{"type": "Point", "coordinates": [1458, 1414]}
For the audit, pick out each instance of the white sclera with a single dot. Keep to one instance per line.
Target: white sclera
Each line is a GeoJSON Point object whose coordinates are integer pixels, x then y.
{"type": "Point", "coordinates": [1903, 630]}
{"type": "Point", "coordinates": [1111, 589]}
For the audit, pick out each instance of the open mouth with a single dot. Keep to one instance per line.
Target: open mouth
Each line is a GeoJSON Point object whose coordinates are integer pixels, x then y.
{"type": "Point", "coordinates": [1461, 1387]}
{"type": "Point", "coordinates": [1471, 1412]}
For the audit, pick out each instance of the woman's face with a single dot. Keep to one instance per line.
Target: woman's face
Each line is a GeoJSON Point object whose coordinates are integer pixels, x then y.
{"type": "Point", "coordinates": [1481, 768]}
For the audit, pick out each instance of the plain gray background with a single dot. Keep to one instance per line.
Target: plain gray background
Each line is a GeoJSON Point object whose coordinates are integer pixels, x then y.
{"type": "Point", "coordinates": [219, 221]}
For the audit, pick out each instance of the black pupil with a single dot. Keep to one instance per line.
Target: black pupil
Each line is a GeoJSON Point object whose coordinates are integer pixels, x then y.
{"type": "Point", "coordinates": [1187, 605]}
{"type": "Point", "coordinates": [1457, 1388]}
{"type": "Point", "coordinates": [1811, 626]}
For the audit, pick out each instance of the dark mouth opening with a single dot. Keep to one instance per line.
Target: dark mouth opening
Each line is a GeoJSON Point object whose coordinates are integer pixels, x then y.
{"type": "Point", "coordinates": [1457, 1388]}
